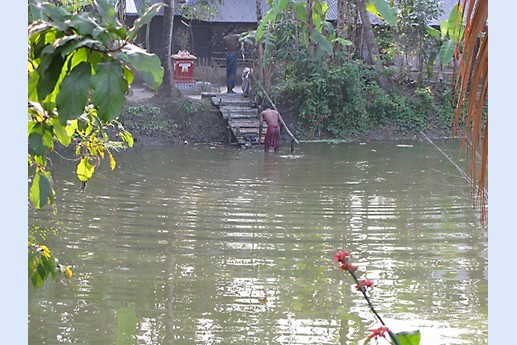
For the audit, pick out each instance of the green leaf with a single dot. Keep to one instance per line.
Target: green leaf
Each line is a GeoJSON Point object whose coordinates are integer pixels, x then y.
{"type": "Point", "coordinates": [143, 20]}
{"type": "Point", "coordinates": [128, 74]}
{"type": "Point", "coordinates": [36, 146]}
{"type": "Point", "coordinates": [49, 264]}
{"type": "Point", "coordinates": [44, 10]}
{"type": "Point", "coordinates": [107, 12]}
{"type": "Point", "coordinates": [444, 28]}
{"type": "Point", "coordinates": [73, 93]}
{"type": "Point", "coordinates": [60, 132]}
{"type": "Point", "coordinates": [85, 170]}
{"type": "Point", "coordinates": [432, 31]}
{"type": "Point", "coordinates": [446, 52]}
{"type": "Point", "coordinates": [110, 87]}
{"type": "Point", "coordinates": [455, 24]}
{"type": "Point", "coordinates": [264, 23]}
{"type": "Point", "coordinates": [49, 71]}
{"type": "Point", "coordinates": [88, 43]}
{"type": "Point", "coordinates": [300, 11]}
{"type": "Point", "coordinates": [409, 338]}
{"type": "Point", "coordinates": [148, 65]}
{"type": "Point", "coordinates": [84, 23]}
{"type": "Point", "coordinates": [36, 278]}
{"type": "Point", "coordinates": [321, 41]}
{"type": "Point", "coordinates": [281, 5]}
{"type": "Point", "coordinates": [389, 14]}
{"type": "Point", "coordinates": [41, 191]}
{"type": "Point", "coordinates": [33, 262]}
{"type": "Point", "coordinates": [32, 86]}
{"type": "Point", "coordinates": [342, 41]}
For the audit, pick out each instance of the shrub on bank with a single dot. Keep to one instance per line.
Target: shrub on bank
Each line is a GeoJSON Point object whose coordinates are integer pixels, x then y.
{"type": "Point", "coordinates": [346, 100]}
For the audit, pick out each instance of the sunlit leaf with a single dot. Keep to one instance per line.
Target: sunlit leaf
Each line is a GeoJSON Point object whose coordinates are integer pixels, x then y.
{"type": "Point", "coordinates": [127, 137]}
{"type": "Point", "coordinates": [409, 338]}
{"type": "Point", "coordinates": [73, 93]}
{"type": "Point", "coordinates": [60, 132]}
{"type": "Point", "coordinates": [444, 28]}
{"type": "Point", "coordinates": [110, 87]}
{"type": "Point", "coordinates": [85, 170]}
{"type": "Point", "coordinates": [113, 163]}
{"type": "Point", "coordinates": [389, 14]}
{"type": "Point", "coordinates": [455, 23]}
{"type": "Point", "coordinates": [432, 31]}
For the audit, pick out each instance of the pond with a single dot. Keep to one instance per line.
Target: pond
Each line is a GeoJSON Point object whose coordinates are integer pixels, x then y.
{"type": "Point", "coordinates": [221, 245]}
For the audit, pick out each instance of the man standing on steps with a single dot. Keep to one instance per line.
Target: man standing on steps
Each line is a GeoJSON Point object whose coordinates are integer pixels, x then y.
{"type": "Point", "coordinates": [232, 46]}
{"type": "Point", "coordinates": [273, 120]}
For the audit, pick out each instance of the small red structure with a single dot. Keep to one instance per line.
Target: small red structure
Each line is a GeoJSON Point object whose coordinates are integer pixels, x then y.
{"type": "Point", "coordinates": [183, 67]}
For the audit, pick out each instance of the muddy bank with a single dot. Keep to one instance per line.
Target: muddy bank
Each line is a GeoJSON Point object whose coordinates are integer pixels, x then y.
{"type": "Point", "coordinates": [191, 119]}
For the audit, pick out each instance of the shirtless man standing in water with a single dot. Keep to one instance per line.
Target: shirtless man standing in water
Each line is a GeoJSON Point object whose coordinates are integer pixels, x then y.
{"type": "Point", "coordinates": [273, 119]}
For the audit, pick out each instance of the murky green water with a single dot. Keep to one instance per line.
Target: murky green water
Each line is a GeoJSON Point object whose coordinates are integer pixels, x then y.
{"type": "Point", "coordinates": [218, 245]}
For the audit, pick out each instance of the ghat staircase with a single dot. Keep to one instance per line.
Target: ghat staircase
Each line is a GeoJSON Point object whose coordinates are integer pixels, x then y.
{"type": "Point", "coordinates": [241, 113]}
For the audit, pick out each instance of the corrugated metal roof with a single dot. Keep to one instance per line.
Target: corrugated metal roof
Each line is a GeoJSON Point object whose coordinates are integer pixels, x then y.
{"type": "Point", "coordinates": [243, 11]}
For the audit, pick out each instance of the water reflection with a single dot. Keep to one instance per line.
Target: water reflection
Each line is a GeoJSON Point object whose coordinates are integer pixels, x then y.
{"type": "Point", "coordinates": [198, 245]}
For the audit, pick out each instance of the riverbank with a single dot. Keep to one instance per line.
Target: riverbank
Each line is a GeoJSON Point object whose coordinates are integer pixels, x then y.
{"type": "Point", "coordinates": [191, 119]}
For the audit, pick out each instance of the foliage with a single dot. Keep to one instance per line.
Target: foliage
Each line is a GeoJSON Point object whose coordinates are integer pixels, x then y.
{"type": "Point", "coordinates": [200, 10]}
{"type": "Point", "coordinates": [451, 33]}
{"type": "Point", "coordinates": [346, 100]}
{"type": "Point", "coordinates": [363, 285]}
{"type": "Point", "coordinates": [147, 120]}
{"type": "Point", "coordinates": [43, 264]}
{"type": "Point", "coordinates": [80, 64]}
{"type": "Point", "coordinates": [287, 33]}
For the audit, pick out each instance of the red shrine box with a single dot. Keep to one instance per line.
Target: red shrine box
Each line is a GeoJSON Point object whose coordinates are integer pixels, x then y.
{"type": "Point", "coordinates": [183, 67]}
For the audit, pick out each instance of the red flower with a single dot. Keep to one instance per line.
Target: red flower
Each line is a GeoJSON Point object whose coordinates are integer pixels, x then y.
{"type": "Point", "coordinates": [342, 256]}
{"type": "Point", "coordinates": [364, 283]}
{"type": "Point", "coordinates": [347, 266]}
{"type": "Point", "coordinates": [378, 332]}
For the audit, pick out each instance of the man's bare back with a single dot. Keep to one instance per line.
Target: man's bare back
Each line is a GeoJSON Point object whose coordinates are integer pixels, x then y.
{"type": "Point", "coordinates": [272, 117]}
{"type": "Point", "coordinates": [273, 120]}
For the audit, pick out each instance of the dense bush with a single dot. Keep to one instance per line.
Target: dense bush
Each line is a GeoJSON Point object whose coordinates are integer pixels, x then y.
{"type": "Point", "coordinates": [346, 100]}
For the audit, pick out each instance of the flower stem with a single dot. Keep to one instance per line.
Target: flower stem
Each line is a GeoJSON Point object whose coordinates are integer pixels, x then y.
{"type": "Point", "coordinates": [363, 291]}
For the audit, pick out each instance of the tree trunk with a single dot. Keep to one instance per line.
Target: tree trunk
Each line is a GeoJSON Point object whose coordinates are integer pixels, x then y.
{"type": "Point", "coordinates": [167, 88]}
{"type": "Point", "coordinates": [121, 11]}
{"type": "Point", "coordinates": [371, 45]}
{"type": "Point", "coordinates": [341, 28]}
{"type": "Point", "coordinates": [310, 24]}
{"type": "Point", "coordinates": [148, 37]}
{"type": "Point", "coordinates": [259, 51]}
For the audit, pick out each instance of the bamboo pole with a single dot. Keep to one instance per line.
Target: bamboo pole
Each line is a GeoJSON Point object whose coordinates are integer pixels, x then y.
{"type": "Point", "coordinates": [274, 107]}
